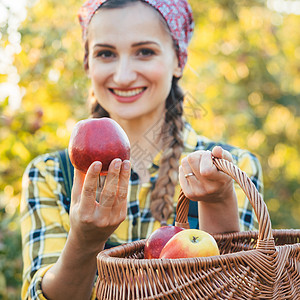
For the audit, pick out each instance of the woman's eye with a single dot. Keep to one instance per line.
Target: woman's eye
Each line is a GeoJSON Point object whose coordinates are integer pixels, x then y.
{"type": "Point", "coordinates": [146, 52]}
{"type": "Point", "coordinates": [104, 54]}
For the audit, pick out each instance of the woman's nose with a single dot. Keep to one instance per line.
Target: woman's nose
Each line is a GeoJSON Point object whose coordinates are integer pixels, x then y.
{"type": "Point", "coordinates": [125, 73]}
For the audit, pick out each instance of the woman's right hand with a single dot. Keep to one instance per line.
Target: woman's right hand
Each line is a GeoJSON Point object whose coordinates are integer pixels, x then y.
{"type": "Point", "coordinates": [91, 222]}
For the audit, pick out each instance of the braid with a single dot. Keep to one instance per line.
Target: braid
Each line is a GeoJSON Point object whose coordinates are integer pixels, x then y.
{"type": "Point", "coordinates": [163, 193]}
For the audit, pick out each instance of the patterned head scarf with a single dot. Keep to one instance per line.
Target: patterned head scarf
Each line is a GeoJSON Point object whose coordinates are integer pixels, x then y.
{"type": "Point", "coordinates": [177, 14]}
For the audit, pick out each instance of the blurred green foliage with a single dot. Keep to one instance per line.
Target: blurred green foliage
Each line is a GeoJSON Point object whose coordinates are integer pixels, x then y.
{"type": "Point", "coordinates": [243, 87]}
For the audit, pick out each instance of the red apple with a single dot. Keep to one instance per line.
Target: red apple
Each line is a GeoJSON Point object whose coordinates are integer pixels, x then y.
{"type": "Point", "coordinates": [157, 240]}
{"type": "Point", "coordinates": [190, 243]}
{"type": "Point", "coordinates": [101, 139]}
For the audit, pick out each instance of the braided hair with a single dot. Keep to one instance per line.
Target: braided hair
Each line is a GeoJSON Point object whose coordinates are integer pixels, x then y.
{"type": "Point", "coordinates": [162, 196]}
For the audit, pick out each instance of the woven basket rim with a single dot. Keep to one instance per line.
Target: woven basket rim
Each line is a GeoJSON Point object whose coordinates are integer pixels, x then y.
{"type": "Point", "coordinates": [207, 262]}
{"type": "Point", "coordinates": [108, 254]}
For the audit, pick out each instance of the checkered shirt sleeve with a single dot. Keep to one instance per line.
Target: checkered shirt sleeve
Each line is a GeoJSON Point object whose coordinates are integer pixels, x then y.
{"type": "Point", "coordinates": [44, 221]}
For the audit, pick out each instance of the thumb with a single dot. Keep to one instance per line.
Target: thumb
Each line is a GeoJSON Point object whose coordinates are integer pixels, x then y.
{"type": "Point", "coordinates": [219, 152]}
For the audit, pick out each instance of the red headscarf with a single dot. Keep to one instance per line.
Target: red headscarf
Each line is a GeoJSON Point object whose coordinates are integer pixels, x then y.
{"type": "Point", "coordinates": [177, 14]}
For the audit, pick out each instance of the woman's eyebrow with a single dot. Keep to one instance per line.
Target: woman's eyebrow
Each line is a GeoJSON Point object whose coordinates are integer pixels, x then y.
{"type": "Point", "coordinates": [104, 46]}
{"type": "Point", "coordinates": [145, 43]}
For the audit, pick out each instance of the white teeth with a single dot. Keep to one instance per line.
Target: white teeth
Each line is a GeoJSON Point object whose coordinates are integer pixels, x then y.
{"type": "Point", "coordinates": [128, 93]}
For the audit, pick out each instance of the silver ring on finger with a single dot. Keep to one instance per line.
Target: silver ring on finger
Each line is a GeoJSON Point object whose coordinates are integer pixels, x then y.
{"type": "Point", "coordinates": [189, 174]}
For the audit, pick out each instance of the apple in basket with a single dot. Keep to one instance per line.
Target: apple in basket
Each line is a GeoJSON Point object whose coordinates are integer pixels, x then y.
{"type": "Point", "coordinates": [190, 243]}
{"type": "Point", "coordinates": [157, 240]}
{"type": "Point", "coordinates": [97, 139]}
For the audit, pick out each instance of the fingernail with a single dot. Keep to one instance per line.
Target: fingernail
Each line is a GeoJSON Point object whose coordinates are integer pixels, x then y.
{"type": "Point", "coordinates": [97, 166]}
{"type": "Point", "coordinates": [126, 165]}
{"type": "Point", "coordinates": [117, 164]}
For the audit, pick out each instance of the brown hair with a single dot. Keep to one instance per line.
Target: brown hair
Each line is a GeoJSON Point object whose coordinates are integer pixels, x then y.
{"type": "Point", "coordinates": [163, 191]}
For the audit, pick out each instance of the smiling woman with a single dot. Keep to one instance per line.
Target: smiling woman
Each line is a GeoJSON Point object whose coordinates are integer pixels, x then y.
{"type": "Point", "coordinates": [135, 54]}
{"type": "Point", "coordinates": [137, 69]}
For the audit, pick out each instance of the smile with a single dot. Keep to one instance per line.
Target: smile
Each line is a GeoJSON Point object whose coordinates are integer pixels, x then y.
{"type": "Point", "coordinates": [128, 93]}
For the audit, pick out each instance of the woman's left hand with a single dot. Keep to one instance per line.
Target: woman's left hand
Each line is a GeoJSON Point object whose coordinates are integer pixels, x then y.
{"type": "Point", "coordinates": [207, 183]}
{"type": "Point", "coordinates": [213, 189]}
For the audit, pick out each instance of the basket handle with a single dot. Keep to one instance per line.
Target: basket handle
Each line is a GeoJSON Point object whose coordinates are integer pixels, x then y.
{"type": "Point", "coordinates": [265, 237]}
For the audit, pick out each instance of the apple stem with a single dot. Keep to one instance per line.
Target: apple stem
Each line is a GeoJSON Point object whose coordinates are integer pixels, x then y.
{"type": "Point", "coordinates": [195, 238]}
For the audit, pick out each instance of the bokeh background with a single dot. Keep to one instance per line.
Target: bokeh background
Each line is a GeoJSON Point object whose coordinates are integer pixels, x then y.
{"type": "Point", "coordinates": [242, 84]}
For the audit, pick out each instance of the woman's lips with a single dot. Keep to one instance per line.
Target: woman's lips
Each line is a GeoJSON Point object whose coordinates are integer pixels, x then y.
{"type": "Point", "coordinates": [127, 96]}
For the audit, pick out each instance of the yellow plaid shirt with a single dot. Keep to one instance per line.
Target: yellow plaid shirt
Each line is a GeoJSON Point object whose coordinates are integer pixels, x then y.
{"type": "Point", "coordinates": [45, 208]}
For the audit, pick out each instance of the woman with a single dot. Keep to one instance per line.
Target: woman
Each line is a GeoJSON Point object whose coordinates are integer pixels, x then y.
{"type": "Point", "coordinates": [135, 55]}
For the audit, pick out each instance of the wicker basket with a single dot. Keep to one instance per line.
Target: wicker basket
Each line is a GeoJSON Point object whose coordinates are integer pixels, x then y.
{"type": "Point", "coordinates": [263, 264]}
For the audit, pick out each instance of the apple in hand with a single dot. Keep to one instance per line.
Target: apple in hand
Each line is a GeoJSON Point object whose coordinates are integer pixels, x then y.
{"type": "Point", "coordinates": [97, 139]}
{"type": "Point", "coordinates": [157, 240]}
{"type": "Point", "coordinates": [190, 243]}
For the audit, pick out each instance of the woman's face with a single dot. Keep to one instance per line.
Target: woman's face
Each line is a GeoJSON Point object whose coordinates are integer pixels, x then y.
{"type": "Point", "coordinates": [131, 61]}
